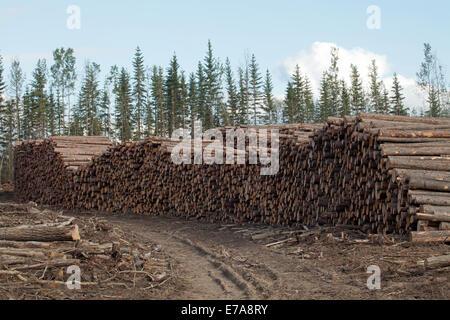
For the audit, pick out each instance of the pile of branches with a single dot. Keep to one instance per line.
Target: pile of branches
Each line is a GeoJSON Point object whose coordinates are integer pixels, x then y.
{"type": "Point", "coordinates": [380, 173]}
{"type": "Point", "coordinates": [38, 246]}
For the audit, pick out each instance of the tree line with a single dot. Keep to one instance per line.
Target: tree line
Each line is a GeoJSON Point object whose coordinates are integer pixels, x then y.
{"type": "Point", "coordinates": [153, 101]}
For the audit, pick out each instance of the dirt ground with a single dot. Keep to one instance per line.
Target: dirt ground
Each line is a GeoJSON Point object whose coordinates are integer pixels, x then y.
{"type": "Point", "coordinates": [231, 261]}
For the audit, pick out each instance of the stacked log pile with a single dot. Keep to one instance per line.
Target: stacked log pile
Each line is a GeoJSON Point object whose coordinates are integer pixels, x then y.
{"type": "Point", "coordinates": [381, 173]}
{"type": "Point", "coordinates": [44, 168]}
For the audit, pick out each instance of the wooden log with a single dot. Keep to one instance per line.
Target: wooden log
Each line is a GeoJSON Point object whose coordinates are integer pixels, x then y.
{"type": "Point", "coordinates": [429, 236]}
{"type": "Point", "coordinates": [419, 163]}
{"type": "Point", "coordinates": [51, 264]}
{"type": "Point", "coordinates": [420, 197]}
{"type": "Point", "coordinates": [432, 217]}
{"type": "Point", "coordinates": [388, 150]}
{"type": "Point", "coordinates": [444, 226]}
{"type": "Point", "coordinates": [437, 262]}
{"type": "Point", "coordinates": [41, 234]}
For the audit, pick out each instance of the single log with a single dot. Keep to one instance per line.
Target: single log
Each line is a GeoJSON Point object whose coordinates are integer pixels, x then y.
{"type": "Point", "coordinates": [388, 150]}
{"type": "Point", "coordinates": [51, 264]}
{"type": "Point", "coordinates": [437, 210]}
{"type": "Point", "coordinates": [437, 262]}
{"type": "Point", "coordinates": [420, 163]}
{"type": "Point", "coordinates": [419, 197]}
{"type": "Point", "coordinates": [432, 217]}
{"type": "Point", "coordinates": [444, 226]}
{"type": "Point", "coordinates": [429, 236]}
{"type": "Point", "coordinates": [39, 233]}
{"type": "Point", "coordinates": [27, 245]}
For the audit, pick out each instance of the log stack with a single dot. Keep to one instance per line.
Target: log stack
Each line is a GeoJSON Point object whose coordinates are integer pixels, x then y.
{"type": "Point", "coordinates": [44, 168]}
{"type": "Point", "coordinates": [378, 172]}
{"type": "Point", "coordinates": [381, 173]}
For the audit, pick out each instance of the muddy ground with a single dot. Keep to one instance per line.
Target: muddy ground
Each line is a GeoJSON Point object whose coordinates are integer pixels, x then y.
{"type": "Point", "coordinates": [247, 261]}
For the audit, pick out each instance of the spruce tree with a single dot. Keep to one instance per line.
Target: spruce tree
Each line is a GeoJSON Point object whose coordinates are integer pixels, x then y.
{"type": "Point", "coordinates": [357, 95]}
{"type": "Point", "coordinates": [375, 90]}
{"type": "Point", "coordinates": [397, 104]}
{"type": "Point", "coordinates": [203, 111]}
{"type": "Point", "coordinates": [344, 105]}
{"type": "Point", "coordinates": [172, 95]}
{"type": "Point", "coordinates": [325, 104]}
{"type": "Point", "coordinates": [184, 112]}
{"type": "Point", "coordinates": [299, 99]}
{"type": "Point", "coordinates": [232, 102]}
{"type": "Point", "coordinates": [139, 93]}
{"type": "Point", "coordinates": [289, 112]}
{"type": "Point", "coordinates": [270, 115]}
{"type": "Point", "coordinates": [309, 101]}
{"type": "Point", "coordinates": [244, 97]}
{"type": "Point", "coordinates": [90, 100]}
{"type": "Point", "coordinates": [17, 79]}
{"type": "Point", "coordinates": [212, 71]}
{"type": "Point", "coordinates": [158, 102]}
{"type": "Point", "coordinates": [39, 101]}
{"type": "Point", "coordinates": [192, 102]}
{"type": "Point", "coordinates": [255, 90]}
{"type": "Point", "coordinates": [124, 107]}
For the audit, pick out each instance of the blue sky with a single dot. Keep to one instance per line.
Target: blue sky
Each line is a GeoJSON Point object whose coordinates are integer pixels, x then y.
{"type": "Point", "coordinates": [275, 31]}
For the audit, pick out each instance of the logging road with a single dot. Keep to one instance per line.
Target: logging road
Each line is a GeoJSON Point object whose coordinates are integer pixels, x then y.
{"type": "Point", "coordinates": [213, 262]}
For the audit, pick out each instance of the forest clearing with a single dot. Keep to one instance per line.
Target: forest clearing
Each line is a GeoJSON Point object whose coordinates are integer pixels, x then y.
{"type": "Point", "coordinates": [361, 191]}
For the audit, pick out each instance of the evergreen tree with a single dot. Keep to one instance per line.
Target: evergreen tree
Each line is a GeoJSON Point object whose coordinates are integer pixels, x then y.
{"type": "Point", "coordinates": [213, 89]}
{"type": "Point", "coordinates": [158, 102]}
{"type": "Point", "coordinates": [330, 89]}
{"type": "Point", "coordinates": [51, 109]}
{"type": "Point", "coordinates": [385, 101]}
{"type": "Point", "coordinates": [375, 90]}
{"type": "Point", "coordinates": [325, 104]}
{"type": "Point", "coordinates": [17, 79]}
{"type": "Point", "coordinates": [344, 105]}
{"type": "Point", "coordinates": [38, 101]}
{"type": "Point", "coordinates": [289, 110]}
{"type": "Point", "coordinates": [173, 95]}
{"type": "Point", "coordinates": [105, 111]}
{"type": "Point", "coordinates": [139, 93]}
{"type": "Point", "coordinates": [309, 101]}
{"type": "Point", "coordinates": [90, 100]}
{"type": "Point", "coordinates": [270, 115]}
{"type": "Point", "coordinates": [192, 102]}
{"type": "Point", "coordinates": [255, 89]}
{"type": "Point", "coordinates": [184, 111]}
{"type": "Point", "coordinates": [397, 105]}
{"type": "Point", "coordinates": [203, 110]}
{"type": "Point", "coordinates": [299, 99]}
{"type": "Point", "coordinates": [232, 102]}
{"type": "Point", "coordinates": [357, 95]}
{"type": "Point", "coordinates": [124, 107]}
{"type": "Point", "coordinates": [27, 114]}
{"type": "Point", "coordinates": [244, 96]}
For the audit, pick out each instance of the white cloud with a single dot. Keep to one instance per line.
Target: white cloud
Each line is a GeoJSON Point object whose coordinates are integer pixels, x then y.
{"type": "Point", "coordinates": [314, 61]}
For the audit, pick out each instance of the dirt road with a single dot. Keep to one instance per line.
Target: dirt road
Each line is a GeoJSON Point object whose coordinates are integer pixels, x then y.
{"type": "Point", "coordinates": [223, 262]}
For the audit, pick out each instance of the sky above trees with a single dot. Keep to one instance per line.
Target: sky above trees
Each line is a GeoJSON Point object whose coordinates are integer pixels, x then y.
{"type": "Point", "coordinates": [281, 34]}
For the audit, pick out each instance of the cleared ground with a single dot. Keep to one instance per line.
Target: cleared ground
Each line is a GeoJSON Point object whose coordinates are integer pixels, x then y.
{"type": "Point", "coordinates": [230, 261]}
